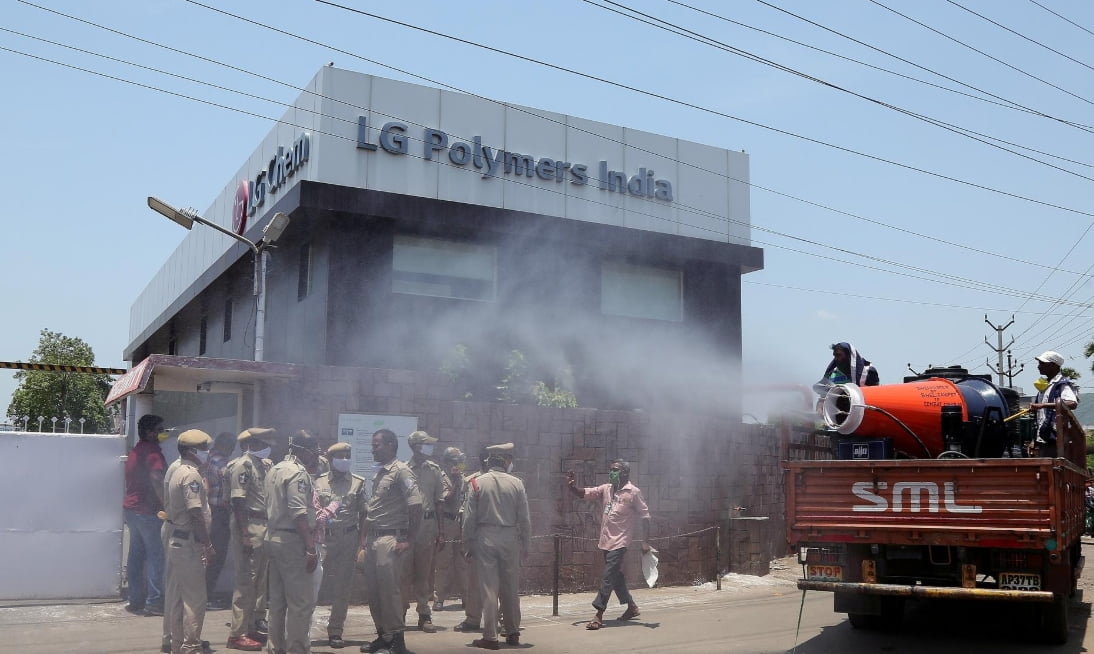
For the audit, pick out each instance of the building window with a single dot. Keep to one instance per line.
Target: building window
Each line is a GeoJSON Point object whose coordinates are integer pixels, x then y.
{"type": "Point", "coordinates": [641, 292]}
{"type": "Point", "coordinates": [427, 266]}
{"type": "Point", "coordinates": [203, 331]}
{"type": "Point", "coordinates": [229, 304]}
{"type": "Point", "coordinates": [303, 272]}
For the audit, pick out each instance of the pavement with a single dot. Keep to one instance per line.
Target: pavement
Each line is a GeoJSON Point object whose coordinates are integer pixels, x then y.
{"type": "Point", "coordinates": [97, 626]}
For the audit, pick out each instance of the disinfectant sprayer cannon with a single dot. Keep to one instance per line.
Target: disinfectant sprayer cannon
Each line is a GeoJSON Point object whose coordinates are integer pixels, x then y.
{"type": "Point", "coordinates": [945, 410]}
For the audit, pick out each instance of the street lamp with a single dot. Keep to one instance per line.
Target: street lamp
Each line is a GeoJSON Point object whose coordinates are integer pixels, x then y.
{"type": "Point", "coordinates": [270, 233]}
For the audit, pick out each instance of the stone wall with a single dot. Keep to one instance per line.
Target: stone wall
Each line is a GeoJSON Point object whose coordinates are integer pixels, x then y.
{"type": "Point", "coordinates": [696, 472]}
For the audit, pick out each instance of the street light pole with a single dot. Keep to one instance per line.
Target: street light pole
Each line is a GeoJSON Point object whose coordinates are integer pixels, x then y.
{"type": "Point", "coordinates": [270, 233]}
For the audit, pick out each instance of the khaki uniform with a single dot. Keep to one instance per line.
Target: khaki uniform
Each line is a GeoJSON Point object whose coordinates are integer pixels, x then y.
{"type": "Point", "coordinates": [289, 493]}
{"type": "Point", "coordinates": [246, 478]}
{"type": "Point", "coordinates": [418, 574]}
{"type": "Point", "coordinates": [394, 490]}
{"type": "Point", "coordinates": [186, 610]}
{"type": "Point", "coordinates": [342, 540]}
{"type": "Point", "coordinates": [472, 601]}
{"type": "Point", "coordinates": [451, 567]}
{"type": "Point", "coordinates": [165, 535]}
{"type": "Point", "coordinates": [496, 526]}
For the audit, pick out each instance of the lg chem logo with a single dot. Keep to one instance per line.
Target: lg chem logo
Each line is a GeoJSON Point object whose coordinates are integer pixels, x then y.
{"type": "Point", "coordinates": [251, 194]}
{"type": "Point", "coordinates": [239, 209]}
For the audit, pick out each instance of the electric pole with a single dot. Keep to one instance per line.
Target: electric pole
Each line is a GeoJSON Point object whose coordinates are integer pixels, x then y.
{"type": "Point", "coordinates": [998, 369]}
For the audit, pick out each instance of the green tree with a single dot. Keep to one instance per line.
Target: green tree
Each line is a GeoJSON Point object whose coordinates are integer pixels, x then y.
{"type": "Point", "coordinates": [1071, 373]}
{"type": "Point", "coordinates": [72, 394]}
{"type": "Point", "coordinates": [1089, 352]}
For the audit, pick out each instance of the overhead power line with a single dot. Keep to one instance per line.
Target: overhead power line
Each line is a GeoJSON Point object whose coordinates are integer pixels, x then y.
{"type": "Point", "coordinates": [350, 104]}
{"type": "Point", "coordinates": [1062, 17]}
{"type": "Point", "coordinates": [1020, 35]}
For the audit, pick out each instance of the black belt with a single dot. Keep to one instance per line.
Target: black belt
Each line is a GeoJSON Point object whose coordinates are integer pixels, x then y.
{"type": "Point", "coordinates": [428, 514]}
{"type": "Point", "coordinates": [257, 515]}
{"type": "Point", "coordinates": [291, 530]}
{"type": "Point", "coordinates": [338, 531]}
{"type": "Point", "coordinates": [386, 532]}
{"type": "Point", "coordinates": [452, 516]}
{"type": "Point", "coordinates": [180, 533]}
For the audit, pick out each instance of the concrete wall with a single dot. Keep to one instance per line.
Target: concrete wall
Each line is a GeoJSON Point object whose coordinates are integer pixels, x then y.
{"type": "Point", "coordinates": [695, 472]}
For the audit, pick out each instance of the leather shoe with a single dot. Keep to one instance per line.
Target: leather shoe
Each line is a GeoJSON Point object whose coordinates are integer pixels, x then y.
{"type": "Point", "coordinates": [258, 638]}
{"type": "Point", "coordinates": [136, 609]}
{"type": "Point", "coordinates": [374, 646]}
{"type": "Point", "coordinates": [466, 626]}
{"type": "Point", "coordinates": [261, 626]}
{"type": "Point", "coordinates": [485, 644]}
{"type": "Point", "coordinates": [425, 623]}
{"type": "Point", "coordinates": [512, 639]}
{"type": "Point", "coordinates": [336, 642]}
{"type": "Point", "coordinates": [152, 610]}
{"type": "Point", "coordinates": [245, 644]}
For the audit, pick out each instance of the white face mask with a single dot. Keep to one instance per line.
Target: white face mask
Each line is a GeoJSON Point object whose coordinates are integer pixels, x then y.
{"type": "Point", "coordinates": [341, 465]}
{"type": "Point", "coordinates": [427, 449]}
{"type": "Point", "coordinates": [201, 455]}
{"type": "Point", "coordinates": [509, 468]}
{"type": "Point", "coordinates": [264, 453]}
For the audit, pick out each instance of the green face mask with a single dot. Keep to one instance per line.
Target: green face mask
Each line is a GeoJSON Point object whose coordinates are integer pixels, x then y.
{"type": "Point", "coordinates": [613, 476]}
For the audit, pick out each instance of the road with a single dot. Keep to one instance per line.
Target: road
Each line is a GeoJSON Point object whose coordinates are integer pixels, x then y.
{"type": "Point", "coordinates": [750, 615]}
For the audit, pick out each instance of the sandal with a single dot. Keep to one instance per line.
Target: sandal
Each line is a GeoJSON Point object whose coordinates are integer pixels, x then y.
{"type": "Point", "coordinates": [631, 613]}
{"type": "Point", "coordinates": [594, 624]}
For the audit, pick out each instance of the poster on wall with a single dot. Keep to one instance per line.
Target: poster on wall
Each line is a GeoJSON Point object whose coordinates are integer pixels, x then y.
{"type": "Point", "coordinates": [357, 430]}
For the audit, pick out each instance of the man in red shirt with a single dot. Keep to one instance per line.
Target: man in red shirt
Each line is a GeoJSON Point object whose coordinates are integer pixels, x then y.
{"type": "Point", "coordinates": [622, 506]}
{"type": "Point", "coordinates": [144, 468]}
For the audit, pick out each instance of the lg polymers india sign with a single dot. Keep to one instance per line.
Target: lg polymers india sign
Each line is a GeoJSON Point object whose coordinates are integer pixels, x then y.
{"type": "Point", "coordinates": [435, 145]}
{"type": "Point", "coordinates": [251, 193]}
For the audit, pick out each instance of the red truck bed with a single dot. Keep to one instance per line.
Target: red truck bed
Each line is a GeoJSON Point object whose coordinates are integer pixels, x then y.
{"type": "Point", "coordinates": [1031, 503]}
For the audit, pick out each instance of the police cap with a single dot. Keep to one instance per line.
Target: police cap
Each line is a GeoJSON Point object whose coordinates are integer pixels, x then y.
{"type": "Point", "coordinates": [420, 438]}
{"type": "Point", "coordinates": [265, 434]}
{"type": "Point", "coordinates": [194, 438]}
{"type": "Point", "coordinates": [338, 448]}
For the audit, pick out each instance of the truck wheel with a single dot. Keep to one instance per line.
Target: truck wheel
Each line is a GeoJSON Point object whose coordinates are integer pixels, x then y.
{"type": "Point", "coordinates": [1053, 621]}
{"type": "Point", "coordinates": [892, 613]}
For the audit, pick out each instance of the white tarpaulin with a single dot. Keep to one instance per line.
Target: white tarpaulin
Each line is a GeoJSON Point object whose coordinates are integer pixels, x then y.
{"type": "Point", "coordinates": [61, 524]}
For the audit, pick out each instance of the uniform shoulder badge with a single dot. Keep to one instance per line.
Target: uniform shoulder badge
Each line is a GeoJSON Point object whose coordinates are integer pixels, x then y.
{"type": "Point", "coordinates": [244, 478]}
{"type": "Point", "coordinates": [301, 486]}
{"type": "Point", "coordinates": [194, 486]}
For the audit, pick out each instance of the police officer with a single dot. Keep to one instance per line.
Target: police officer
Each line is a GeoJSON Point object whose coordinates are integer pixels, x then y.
{"type": "Point", "coordinates": [293, 557]}
{"type": "Point", "coordinates": [344, 533]}
{"type": "Point", "coordinates": [246, 476]}
{"type": "Point", "coordinates": [434, 487]}
{"type": "Point", "coordinates": [496, 530]}
{"type": "Point", "coordinates": [394, 512]}
{"type": "Point", "coordinates": [451, 567]}
{"type": "Point", "coordinates": [472, 599]}
{"type": "Point", "coordinates": [189, 546]}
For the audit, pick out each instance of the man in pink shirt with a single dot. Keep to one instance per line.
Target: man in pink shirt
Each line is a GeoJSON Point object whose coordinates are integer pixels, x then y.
{"type": "Point", "coordinates": [622, 505]}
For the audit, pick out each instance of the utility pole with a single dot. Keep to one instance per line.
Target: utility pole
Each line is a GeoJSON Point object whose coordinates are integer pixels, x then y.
{"type": "Point", "coordinates": [1011, 372]}
{"type": "Point", "coordinates": [998, 369]}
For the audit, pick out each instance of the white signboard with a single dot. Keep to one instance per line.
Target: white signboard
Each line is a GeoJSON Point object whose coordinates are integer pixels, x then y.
{"type": "Point", "coordinates": [357, 430]}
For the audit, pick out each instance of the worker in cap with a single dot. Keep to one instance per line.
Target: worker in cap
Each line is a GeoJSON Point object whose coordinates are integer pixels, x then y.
{"type": "Point", "coordinates": [394, 513]}
{"type": "Point", "coordinates": [434, 488]}
{"type": "Point", "coordinates": [496, 529]}
{"type": "Point", "coordinates": [290, 540]}
{"type": "Point", "coordinates": [472, 600]}
{"type": "Point", "coordinates": [247, 489]}
{"type": "Point", "coordinates": [451, 567]}
{"type": "Point", "coordinates": [344, 492]}
{"type": "Point", "coordinates": [1059, 388]}
{"type": "Point", "coordinates": [188, 545]}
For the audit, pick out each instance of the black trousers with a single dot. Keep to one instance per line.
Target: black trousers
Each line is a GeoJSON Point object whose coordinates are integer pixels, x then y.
{"type": "Point", "coordinates": [219, 533]}
{"type": "Point", "coordinates": [613, 580]}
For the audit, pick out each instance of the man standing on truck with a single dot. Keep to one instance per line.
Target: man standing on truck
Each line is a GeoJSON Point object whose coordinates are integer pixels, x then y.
{"type": "Point", "coordinates": [1059, 388]}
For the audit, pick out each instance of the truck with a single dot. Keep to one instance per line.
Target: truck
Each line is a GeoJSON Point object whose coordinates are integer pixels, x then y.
{"type": "Point", "coordinates": [932, 495]}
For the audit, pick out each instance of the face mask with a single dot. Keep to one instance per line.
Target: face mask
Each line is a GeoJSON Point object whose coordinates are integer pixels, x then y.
{"type": "Point", "coordinates": [1040, 384]}
{"type": "Point", "coordinates": [341, 465]}
{"type": "Point", "coordinates": [427, 449]}
{"type": "Point", "coordinates": [162, 436]}
{"type": "Point", "coordinates": [264, 453]}
{"type": "Point", "coordinates": [509, 467]}
{"type": "Point", "coordinates": [459, 468]}
{"type": "Point", "coordinates": [613, 476]}
{"type": "Point", "coordinates": [201, 455]}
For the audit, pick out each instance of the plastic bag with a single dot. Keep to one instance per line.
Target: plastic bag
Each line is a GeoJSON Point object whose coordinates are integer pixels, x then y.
{"type": "Point", "coordinates": [649, 567]}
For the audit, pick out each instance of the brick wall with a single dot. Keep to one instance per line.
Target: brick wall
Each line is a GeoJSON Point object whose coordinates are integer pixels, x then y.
{"type": "Point", "coordinates": [696, 472]}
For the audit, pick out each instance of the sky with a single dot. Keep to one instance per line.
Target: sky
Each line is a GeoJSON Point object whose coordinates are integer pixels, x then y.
{"type": "Point", "coordinates": [915, 175]}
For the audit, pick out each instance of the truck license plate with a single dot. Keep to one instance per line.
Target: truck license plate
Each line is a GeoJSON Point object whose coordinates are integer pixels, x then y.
{"type": "Point", "coordinates": [824, 572]}
{"type": "Point", "coordinates": [1019, 581]}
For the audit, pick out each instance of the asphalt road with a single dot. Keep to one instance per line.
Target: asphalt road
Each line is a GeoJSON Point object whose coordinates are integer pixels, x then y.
{"type": "Point", "coordinates": [750, 615]}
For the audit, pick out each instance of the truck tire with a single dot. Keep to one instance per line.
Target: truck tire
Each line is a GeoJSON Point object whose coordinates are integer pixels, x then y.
{"type": "Point", "coordinates": [890, 619]}
{"type": "Point", "coordinates": [1053, 621]}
